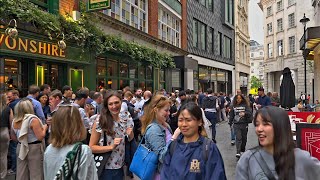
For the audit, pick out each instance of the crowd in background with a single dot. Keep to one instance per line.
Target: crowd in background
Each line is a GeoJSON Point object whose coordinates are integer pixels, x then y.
{"type": "Point", "coordinates": [46, 130]}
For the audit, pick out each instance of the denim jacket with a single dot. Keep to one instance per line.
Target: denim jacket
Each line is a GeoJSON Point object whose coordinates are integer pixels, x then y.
{"type": "Point", "coordinates": [155, 140]}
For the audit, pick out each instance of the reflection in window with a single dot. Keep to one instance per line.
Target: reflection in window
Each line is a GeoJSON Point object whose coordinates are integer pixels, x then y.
{"type": "Point", "coordinates": [101, 67]}
{"type": "Point", "coordinates": [149, 86]}
{"type": "Point", "coordinates": [133, 70]}
{"type": "Point", "coordinates": [112, 84]}
{"type": "Point", "coordinates": [142, 72]}
{"type": "Point", "coordinates": [112, 68]}
{"type": "Point", "coordinates": [53, 77]}
{"type": "Point", "coordinates": [9, 74]}
{"type": "Point", "coordinates": [149, 72]}
{"type": "Point", "coordinates": [195, 80]}
{"type": "Point", "coordinates": [133, 84]}
{"type": "Point", "coordinates": [123, 83]}
{"type": "Point", "coordinates": [123, 70]}
{"type": "Point", "coordinates": [101, 81]}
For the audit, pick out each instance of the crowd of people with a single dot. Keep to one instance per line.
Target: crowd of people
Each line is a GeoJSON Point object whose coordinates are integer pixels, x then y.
{"type": "Point", "coordinates": [60, 134]}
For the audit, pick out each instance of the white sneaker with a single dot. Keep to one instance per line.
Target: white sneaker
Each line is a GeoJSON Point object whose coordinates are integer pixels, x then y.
{"type": "Point", "coordinates": [238, 155]}
{"type": "Point", "coordinates": [232, 142]}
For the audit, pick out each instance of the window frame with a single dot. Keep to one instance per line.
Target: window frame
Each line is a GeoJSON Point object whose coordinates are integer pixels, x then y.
{"type": "Point", "coordinates": [291, 20]}
{"type": "Point", "coordinates": [292, 46]}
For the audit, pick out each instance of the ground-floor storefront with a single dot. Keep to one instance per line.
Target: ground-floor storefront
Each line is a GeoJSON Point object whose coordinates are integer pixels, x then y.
{"type": "Point", "coordinates": [34, 59]}
{"type": "Point", "coordinates": [216, 75]}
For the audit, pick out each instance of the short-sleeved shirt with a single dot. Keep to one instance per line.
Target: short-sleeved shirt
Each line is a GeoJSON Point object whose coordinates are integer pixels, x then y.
{"type": "Point", "coordinates": [116, 160]}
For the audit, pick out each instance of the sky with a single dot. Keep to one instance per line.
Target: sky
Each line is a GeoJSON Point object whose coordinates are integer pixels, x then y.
{"type": "Point", "coordinates": [255, 22]}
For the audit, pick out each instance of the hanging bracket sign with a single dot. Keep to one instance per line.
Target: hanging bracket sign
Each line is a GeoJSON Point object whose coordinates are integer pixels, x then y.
{"type": "Point", "coordinates": [95, 5]}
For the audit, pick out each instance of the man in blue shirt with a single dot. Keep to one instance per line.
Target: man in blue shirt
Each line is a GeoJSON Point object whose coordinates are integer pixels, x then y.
{"type": "Point", "coordinates": [33, 94]}
{"type": "Point", "coordinates": [262, 100]}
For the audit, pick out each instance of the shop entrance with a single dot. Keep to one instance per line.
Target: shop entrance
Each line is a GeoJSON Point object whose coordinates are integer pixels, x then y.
{"type": "Point", "coordinates": [54, 74]}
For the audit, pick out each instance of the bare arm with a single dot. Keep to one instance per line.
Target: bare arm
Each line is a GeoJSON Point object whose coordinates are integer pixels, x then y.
{"type": "Point", "coordinates": [39, 131]}
{"type": "Point", "coordinates": [94, 139]}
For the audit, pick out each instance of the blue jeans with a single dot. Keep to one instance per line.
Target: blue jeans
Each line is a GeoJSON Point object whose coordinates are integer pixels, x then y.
{"type": "Point", "coordinates": [212, 117]}
{"type": "Point", "coordinates": [233, 135]}
{"type": "Point", "coordinates": [13, 155]}
{"type": "Point", "coordinates": [112, 174]}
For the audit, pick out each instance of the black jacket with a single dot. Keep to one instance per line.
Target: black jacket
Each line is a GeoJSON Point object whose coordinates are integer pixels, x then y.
{"type": "Point", "coordinates": [209, 102]}
{"type": "Point", "coordinates": [234, 117]}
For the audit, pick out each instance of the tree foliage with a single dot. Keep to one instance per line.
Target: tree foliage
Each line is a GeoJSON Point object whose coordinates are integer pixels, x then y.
{"type": "Point", "coordinates": [83, 32]}
{"type": "Point", "coordinates": [255, 82]}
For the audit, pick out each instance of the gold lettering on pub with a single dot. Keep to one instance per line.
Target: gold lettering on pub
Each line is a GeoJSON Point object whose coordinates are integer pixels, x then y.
{"type": "Point", "coordinates": [31, 46]}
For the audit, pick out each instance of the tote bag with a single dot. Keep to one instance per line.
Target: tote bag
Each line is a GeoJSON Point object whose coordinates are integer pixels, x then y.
{"type": "Point", "coordinates": [145, 162]}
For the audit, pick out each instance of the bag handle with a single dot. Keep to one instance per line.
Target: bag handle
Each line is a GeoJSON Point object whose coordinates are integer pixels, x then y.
{"type": "Point", "coordinates": [257, 155]}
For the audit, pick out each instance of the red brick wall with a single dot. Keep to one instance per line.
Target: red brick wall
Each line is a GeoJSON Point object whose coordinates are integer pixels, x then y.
{"type": "Point", "coordinates": [67, 6]}
{"type": "Point", "coordinates": [153, 18]}
{"type": "Point", "coordinates": [184, 32]}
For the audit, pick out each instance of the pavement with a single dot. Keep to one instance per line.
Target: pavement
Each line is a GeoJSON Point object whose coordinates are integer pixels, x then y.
{"type": "Point", "coordinates": [227, 151]}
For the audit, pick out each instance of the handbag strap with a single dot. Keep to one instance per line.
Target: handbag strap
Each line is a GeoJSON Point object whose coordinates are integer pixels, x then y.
{"type": "Point", "coordinates": [257, 155]}
{"type": "Point", "coordinates": [104, 138]}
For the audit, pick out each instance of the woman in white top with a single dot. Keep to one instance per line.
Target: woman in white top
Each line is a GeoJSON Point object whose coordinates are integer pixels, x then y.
{"type": "Point", "coordinates": [116, 126]}
{"type": "Point", "coordinates": [29, 131]}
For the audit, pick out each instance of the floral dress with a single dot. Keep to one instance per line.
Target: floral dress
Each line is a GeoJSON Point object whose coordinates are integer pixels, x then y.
{"type": "Point", "coordinates": [116, 160]}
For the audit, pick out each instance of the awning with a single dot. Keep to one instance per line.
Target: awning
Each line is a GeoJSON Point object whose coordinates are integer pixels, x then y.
{"type": "Point", "coordinates": [312, 41]}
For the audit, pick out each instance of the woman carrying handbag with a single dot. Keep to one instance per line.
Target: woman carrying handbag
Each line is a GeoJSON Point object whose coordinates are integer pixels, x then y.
{"type": "Point", "coordinates": [156, 134]}
{"type": "Point", "coordinates": [114, 126]}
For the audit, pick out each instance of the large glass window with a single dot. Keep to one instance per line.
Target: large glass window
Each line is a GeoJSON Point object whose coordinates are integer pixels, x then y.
{"type": "Point", "coordinates": [10, 76]}
{"type": "Point", "coordinates": [269, 28]}
{"type": "Point", "coordinates": [112, 68]}
{"type": "Point", "coordinates": [292, 44]}
{"type": "Point", "coordinates": [270, 50]}
{"type": "Point", "coordinates": [169, 27]}
{"type": "Point", "coordinates": [210, 40]}
{"type": "Point", "coordinates": [199, 34]}
{"type": "Point", "coordinates": [219, 43]}
{"type": "Point", "coordinates": [131, 12]}
{"type": "Point", "coordinates": [229, 11]}
{"type": "Point", "coordinates": [280, 25]}
{"type": "Point", "coordinates": [227, 47]}
{"type": "Point", "coordinates": [280, 47]}
{"type": "Point", "coordinates": [291, 20]}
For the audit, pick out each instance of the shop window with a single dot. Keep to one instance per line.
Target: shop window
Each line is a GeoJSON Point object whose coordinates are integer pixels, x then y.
{"type": "Point", "coordinates": [142, 72]}
{"type": "Point", "coordinates": [176, 78]}
{"type": "Point", "coordinates": [195, 81]}
{"type": "Point", "coordinates": [9, 74]}
{"type": "Point", "coordinates": [53, 77]}
{"type": "Point", "coordinates": [149, 86]}
{"type": "Point", "coordinates": [123, 70]}
{"type": "Point", "coordinates": [149, 72]}
{"type": "Point", "coordinates": [161, 79]}
{"type": "Point", "coordinates": [112, 84]}
{"type": "Point", "coordinates": [123, 83]}
{"type": "Point", "coordinates": [112, 68]}
{"type": "Point", "coordinates": [101, 82]}
{"type": "Point", "coordinates": [133, 70]}
{"type": "Point", "coordinates": [101, 67]}
{"type": "Point", "coordinates": [213, 75]}
{"type": "Point", "coordinates": [134, 84]}
{"type": "Point", "coordinates": [76, 78]}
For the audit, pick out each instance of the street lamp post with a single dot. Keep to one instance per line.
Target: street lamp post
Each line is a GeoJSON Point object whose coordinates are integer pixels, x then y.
{"type": "Point", "coordinates": [304, 21]}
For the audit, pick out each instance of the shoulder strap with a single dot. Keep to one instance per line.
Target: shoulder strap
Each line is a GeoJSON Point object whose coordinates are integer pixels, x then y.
{"type": "Point", "coordinates": [262, 163]}
{"type": "Point", "coordinates": [104, 138]}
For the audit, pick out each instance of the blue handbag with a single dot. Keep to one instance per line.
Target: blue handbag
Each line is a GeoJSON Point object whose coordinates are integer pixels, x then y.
{"type": "Point", "coordinates": [144, 163]}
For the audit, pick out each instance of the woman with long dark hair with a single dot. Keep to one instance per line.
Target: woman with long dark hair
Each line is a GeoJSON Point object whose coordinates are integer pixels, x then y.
{"type": "Point", "coordinates": [239, 118]}
{"type": "Point", "coordinates": [116, 126]}
{"type": "Point", "coordinates": [277, 149]}
{"type": "Point", "coordinates": [192, 155]}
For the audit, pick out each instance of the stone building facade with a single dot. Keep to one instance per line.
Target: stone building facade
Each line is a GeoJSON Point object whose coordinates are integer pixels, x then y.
{"type": "Point", "coordinates": [242, 39]}
{"type": "Point", "coordinates": [282, 31]}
